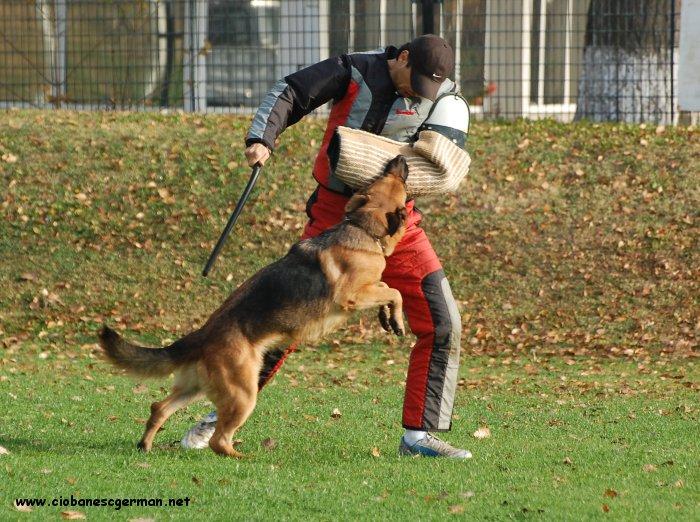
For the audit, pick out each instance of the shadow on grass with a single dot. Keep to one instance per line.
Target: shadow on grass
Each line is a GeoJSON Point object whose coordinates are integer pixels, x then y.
{"type": "Point", "coordinates": [66, 447]}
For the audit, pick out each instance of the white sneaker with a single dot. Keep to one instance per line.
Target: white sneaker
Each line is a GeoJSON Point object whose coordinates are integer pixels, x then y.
{"type": "Point", "coordinates": [431, 446]}
{"type": "Point", "coordinates": [198, 436]}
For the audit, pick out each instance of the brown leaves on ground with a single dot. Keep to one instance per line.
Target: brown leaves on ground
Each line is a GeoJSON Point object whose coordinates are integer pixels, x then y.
{"type": "Point", "coordinates": [269, 444]}
{"type": "Point", "coordinates": [549, 240]}
{"type": "Point", "coordinates": [139, 389]}
{"type": "Point", "coordinates": [482, 433]}
{"type": "Point", "coordinates": [72, 515]}
{"type": "Point", "coordinates": [611, 493]}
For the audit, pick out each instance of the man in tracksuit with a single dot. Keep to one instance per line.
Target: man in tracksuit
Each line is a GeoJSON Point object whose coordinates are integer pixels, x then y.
{"type": "Point", "coordinates": [387, 92]}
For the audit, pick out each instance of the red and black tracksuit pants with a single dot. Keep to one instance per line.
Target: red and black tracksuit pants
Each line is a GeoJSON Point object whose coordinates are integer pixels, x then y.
{"type": "Point", "coordinates": [415, 271]}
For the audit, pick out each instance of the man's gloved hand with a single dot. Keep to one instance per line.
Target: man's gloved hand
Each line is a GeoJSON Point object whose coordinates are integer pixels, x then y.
{"type": "Point", "coordinates": [257, 153]}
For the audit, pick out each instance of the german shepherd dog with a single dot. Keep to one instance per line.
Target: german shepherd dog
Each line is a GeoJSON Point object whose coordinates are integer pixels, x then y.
{"type": "Point", "coordinates": [304, 295]}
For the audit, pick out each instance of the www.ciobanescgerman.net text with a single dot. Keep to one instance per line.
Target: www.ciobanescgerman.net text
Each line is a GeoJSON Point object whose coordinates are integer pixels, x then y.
{"type": "Point", "coordinates": [115, 503]}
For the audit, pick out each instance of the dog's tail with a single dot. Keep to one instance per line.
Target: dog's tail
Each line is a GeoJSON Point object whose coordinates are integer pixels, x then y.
{"type": "Point", "coordinates": [149, 362]}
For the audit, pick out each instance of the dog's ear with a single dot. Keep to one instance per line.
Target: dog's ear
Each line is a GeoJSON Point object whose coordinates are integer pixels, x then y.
{"type": "Point", "coordinates": [357, 201]}
{"type": "Point", "coordinates": [394, 220]}
{"type": "Point", "coordinates": [398, 167]}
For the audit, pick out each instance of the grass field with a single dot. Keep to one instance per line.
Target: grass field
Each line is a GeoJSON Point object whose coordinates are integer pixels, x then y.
{"type": "Point", "coordinates": [572, 250]}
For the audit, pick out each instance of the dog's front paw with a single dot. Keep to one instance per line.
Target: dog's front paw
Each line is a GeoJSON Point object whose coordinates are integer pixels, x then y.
{"type": "Point", "coordinates": [384, 318]}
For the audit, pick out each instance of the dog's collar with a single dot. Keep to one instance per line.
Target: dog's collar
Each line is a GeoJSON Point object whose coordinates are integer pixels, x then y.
{"type": "Point", "coordinates": [349, 221]}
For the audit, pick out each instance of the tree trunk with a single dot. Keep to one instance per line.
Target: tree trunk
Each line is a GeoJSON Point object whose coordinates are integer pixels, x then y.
{"type": "Point", "coordinates": [50, 41]}
{"type": "Point", "coordinates": [626, 74]}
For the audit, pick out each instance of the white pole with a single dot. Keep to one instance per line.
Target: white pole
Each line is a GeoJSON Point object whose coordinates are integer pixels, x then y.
{"type": "Point", "coordinates": [351, 35]}
{"type": "Point", "coordinates": [540, 53]}
{"type": "Point", "coordinates": [526, 57]}
{"type": "Point", "coordinates": [382, 23]}
{"type": "Point", "coordinates": [414, 17]}
{"type": "Point", "coordinates": [59, 88]}
{"type": "Point", "coordinates": [458, 44]}
{"type": "Point", "coordinates": [567, 53]}
{"type": "Point", "coordinates": [200, 57]}
{"type": "Point", "coordinates": [487, 103]}
{"type": "Point", "coordinates": [187, 79]}
{"type": "Point", "coordinates": [323, 28]}
{"type": "Point", "coordinates": [159, 54]}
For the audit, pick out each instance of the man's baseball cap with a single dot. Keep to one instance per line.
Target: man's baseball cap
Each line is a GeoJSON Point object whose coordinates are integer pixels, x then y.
{"type": "Point", "coordinates": [431, 59]}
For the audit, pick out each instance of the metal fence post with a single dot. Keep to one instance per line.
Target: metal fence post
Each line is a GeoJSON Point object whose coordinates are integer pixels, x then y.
{"type": "Point", "coordinates": [187, 79]}
{"type": "Point", "coordinates": [195, 55]}
{"type": "Point", "coordinates": [59, 86]}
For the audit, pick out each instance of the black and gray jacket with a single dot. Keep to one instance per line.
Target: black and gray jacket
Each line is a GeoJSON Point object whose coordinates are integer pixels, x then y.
{"type": "Point", "coordinates": [363, 97]}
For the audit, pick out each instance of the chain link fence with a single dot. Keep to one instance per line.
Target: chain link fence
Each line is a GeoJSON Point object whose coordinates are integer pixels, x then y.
{"type": "Point", "coordinates": [567, 59]}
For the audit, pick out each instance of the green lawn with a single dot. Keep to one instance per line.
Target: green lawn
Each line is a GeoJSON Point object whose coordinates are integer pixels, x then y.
{"type": "Point", "coordinates": [572, 250]}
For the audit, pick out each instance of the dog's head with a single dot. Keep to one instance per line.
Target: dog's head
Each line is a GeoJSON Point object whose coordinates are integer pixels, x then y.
{"type": "Point", "coordinates": [380, 208]}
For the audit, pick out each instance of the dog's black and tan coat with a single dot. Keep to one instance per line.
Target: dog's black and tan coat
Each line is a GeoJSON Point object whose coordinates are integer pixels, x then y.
{"type": "Point", "coordinates": [300, 297]}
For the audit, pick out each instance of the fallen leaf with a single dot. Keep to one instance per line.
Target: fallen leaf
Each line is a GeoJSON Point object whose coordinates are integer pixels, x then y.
{"type": "Point", "coordinates": [649, 468]}
{"type": "Point", "coordinates": [375, 452]}
{"type": "Point", "coordinates": [482, 433]}
{"type": "Point", "coordinates": [466, 494]}
{"type": "Point", "coordinates": [610, 493]}
{"type": "Point", "coordinates": [456, 509]}
{"type": "Point", "coordinates": [269, 444]}
{"type": "Point", "coordinates": [605, 508]}
{"type": "Point", "coordinates": [336, 413]}
{"type": "Point", "coordinates": [4, 450]}
{"type": "Point", "coordinates": [140, 388]}
{"type": "Point", "coordinates": [568, 461]}
{"type": "Point", "coordinates": [72, 515]}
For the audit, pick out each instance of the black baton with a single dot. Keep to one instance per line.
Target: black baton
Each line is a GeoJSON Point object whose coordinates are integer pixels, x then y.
{"type": "Point", "coordinates": [232, 220]}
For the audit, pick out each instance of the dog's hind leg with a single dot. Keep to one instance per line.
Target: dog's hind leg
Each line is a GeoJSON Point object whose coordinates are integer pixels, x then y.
{"type": "Point", "coordinates": [185, 391]}
{"type": "Point", "coordinates": [235, 392]}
